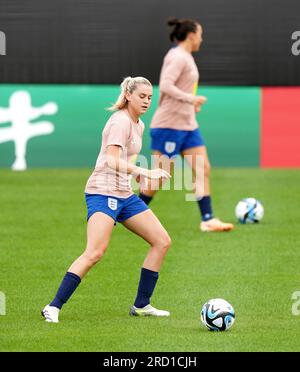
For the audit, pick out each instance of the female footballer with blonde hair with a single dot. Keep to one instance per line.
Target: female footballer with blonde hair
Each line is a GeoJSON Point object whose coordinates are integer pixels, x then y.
{"type": "Point", "coordinates": [174, 129]}
{"type": "Point", "coordinates": [110, 199]}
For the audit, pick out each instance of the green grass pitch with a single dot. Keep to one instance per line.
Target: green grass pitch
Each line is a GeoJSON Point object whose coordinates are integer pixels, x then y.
{"type": "Point", "coordinates": [255, 267]}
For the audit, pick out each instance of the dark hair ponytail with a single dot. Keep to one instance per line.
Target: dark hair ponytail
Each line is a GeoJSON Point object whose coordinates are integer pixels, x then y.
{"type": "Point", "coordinates": [181, 28]}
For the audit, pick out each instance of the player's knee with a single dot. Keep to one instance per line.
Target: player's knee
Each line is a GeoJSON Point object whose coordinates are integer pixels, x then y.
{"type": "Point", "coordinates": [94, 255]}
{"type": "Point", "coordinates": [164, 243]}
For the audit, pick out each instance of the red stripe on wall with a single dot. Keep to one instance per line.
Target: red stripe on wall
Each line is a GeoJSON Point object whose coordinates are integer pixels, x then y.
{"type": "Point", "coordinates": [280, 127]}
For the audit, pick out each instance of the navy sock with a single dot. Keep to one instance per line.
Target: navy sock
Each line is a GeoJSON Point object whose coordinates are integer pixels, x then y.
{"type": "Point", "coordinates": [68, 285]}
{"type": "Point", "coordinates": [146, 199]}
{"type": "Point", "coordinates": [147, 284]}
{"type": "Point", "coordinates": [205, 208]}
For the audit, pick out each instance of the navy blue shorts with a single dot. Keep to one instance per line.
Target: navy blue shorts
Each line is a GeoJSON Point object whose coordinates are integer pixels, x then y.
{"type": "Point", "coordinates": [172, 142]}
{"type": "Point", "coordinates": [119, 209]}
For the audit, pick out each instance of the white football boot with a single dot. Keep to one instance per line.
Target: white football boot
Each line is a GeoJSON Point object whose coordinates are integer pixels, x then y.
{"type": "Point", "coordinates": [215, 224]}
{"type": "Point", "coordinates": [148, 310]}
{"type": "Point", "coordinates": [50, 313]}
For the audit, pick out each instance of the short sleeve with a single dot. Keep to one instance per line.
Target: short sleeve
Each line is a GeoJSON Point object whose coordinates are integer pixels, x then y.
{"type": "Point", "coordinates": [118, 134]}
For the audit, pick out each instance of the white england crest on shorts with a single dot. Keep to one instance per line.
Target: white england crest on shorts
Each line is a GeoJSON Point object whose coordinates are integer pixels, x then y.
{"type": "Point", "coordinates": [112, 203]}
{"type": "Point", "coordinates": [170, 147]}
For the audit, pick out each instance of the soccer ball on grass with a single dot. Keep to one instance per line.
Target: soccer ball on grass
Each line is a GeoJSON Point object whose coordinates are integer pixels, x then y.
{"type": "Point", "coordinates": [217, 315]}
{"type": "Point", "coordinates": [249, 210]}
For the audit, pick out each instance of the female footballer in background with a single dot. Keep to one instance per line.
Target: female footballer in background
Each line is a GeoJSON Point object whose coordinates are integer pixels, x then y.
{"type": "Point", "coordinates": [110, 199]}
{"type": "Point", "coordinates": [174, 129]}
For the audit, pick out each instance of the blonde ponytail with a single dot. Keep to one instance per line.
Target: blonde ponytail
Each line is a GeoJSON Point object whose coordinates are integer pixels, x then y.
{"type": "Point", "coordinates": [128, 85]}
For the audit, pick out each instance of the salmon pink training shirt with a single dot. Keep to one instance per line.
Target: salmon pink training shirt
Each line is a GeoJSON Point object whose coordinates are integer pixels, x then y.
{"type": "Point", "coordinates": [122, 131]}
{"type": "Point", "coordinates": [177, 84]}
